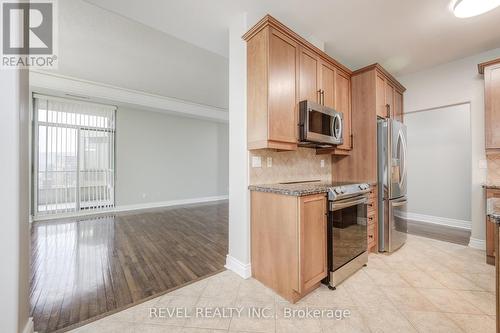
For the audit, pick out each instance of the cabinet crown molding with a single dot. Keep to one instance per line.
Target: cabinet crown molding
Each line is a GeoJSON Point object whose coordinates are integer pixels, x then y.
{"type": "Point", "coordinates": [269, 21]}
{"type": "Point", "coordinates": [381, 69]}
{"type": "Point", "coordinates": [483, 65]}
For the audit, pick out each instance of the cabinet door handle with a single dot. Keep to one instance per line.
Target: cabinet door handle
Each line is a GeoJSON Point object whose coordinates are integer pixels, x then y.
{"type": "Point", "coordinates": [388, 107]}
{"type": "Point", "coordinates": [323, 97]}
{"type": "Point", "coordinates": [319, 99]}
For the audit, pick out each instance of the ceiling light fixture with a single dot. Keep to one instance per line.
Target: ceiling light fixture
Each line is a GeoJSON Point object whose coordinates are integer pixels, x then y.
{"type": "Point", "coordinates": [470, 8]}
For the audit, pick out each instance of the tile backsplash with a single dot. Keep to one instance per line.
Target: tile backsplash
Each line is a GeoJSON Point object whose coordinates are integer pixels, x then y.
{"type": "Point", "coordinates": [300, 165]}
{"type": "Point", "coordinates": [493, 169]}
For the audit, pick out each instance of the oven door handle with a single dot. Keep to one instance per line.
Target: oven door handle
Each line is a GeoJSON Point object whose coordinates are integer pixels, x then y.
{"type": "Point", "coordinates": [349, 203]}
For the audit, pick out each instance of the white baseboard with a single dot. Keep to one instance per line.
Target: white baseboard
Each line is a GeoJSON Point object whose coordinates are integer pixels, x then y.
{"type": "Point", "coordinates": [243, 270]}
{"type": "Point", "coordinates": [478, 244]}
{"type": "Point", "coordinates": [461, 224]}
{"type": "Point", "coordinates": [127, 208]}
{"type": "Point", "coordinates": [170, 203]}
{"type": "Point", "coordinates": [29, 327]}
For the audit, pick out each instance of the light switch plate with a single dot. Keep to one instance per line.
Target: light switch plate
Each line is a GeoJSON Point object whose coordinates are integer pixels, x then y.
{"type": "Point", "coordinates": [269, 162]}
{"type": "Point", "coordinates": [322, 163]}
{"type": "Point", "coordinates": [256, 162]}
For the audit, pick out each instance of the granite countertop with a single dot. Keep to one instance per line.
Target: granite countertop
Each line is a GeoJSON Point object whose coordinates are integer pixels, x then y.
{"type": "Point", "coordinates": [495, 217]}
{"type": "Point", "coordinates": [293, 189]}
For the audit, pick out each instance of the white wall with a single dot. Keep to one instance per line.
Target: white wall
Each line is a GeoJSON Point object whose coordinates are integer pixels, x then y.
{"type": "Point", "coordinates": [439, 157]}
{"type": "Point", "coordinates": [14, 199]}
{"type": "Point", "coordinates": [448, 84]}
{"type": "Point", "coordinates": [238, 258]}
{"type": "Point", "coordinates": [161, 157]}
{"type": "Point", "coordinates": [98, 45]}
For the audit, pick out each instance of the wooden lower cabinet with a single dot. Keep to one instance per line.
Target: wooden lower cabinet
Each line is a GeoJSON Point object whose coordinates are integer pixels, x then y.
{"type": "Point", "coordinates": [372, 220]}
{"type": "Point", "coordinates": [490, 229]}
{"type": "Point", "coordinates": [289, 242]}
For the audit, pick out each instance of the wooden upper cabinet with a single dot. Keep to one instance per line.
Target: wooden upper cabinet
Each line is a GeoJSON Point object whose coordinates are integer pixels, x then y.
{"type": "Point", "coordinates": [388, 94]}
{"type": "Point", "coordinates": [309, 76]}
{"type": "Point", "coordinates": [272, 62]}
{"type": "Point", "coordinates": [312, 235]}
{"type": "Point", "coordinates": [282, 70]}
{"type": "Point", "coordinates": [282, 93]}
{"type": "Point", "coordinates": [380, 96]}
{"type": "Point", "coordinates": [398, 106]}
{"type": "Point", "coordinates": [343, 104]}
{"type": "Point", "coordinates": [327, 80]}
{"type": "Point", "coordinates": [389, 99]}
{"type": "Point", "coordinates": [491, 72]}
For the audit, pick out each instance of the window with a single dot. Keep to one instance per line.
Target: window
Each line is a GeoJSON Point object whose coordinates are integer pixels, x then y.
{"type": "Point", "coordinates": [74, 155]}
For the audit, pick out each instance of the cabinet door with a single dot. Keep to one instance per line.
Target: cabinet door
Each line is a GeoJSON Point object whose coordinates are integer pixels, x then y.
{"type": "Point", "coordinates": [398, 106]}
{"type": "Point", "coordinates": [380, 96]}
{"type": "Point", "coordinates": [327, 83]}
{"type": "Point", "coordinates": [313, 256]}
{"type": "Point", "coordinates": [282, 105]}
{"type": "Point", "coordinates": [492, 106]}
{"type": "Point", "coordinates": [490, 227]}
{"type": "Point", "coordinates": [389, 99]}
{"type": "Point", "coordinates": [309, 79]}
{"type": "Point", "coordinates": [343, 104]}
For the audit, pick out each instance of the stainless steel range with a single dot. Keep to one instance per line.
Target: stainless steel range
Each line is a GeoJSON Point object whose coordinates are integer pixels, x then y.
{"type": "Point", "coordinates": [347, 230]}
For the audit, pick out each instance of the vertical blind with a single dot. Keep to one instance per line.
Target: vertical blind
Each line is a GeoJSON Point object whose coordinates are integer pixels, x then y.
{"type": "Point", "coordinates": [74, 155]}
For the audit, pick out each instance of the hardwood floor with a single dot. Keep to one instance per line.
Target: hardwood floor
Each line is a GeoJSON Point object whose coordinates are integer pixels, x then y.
{"type": "Point", "coordinates": [443, 233]}
{"type": "Point", "coordinates": [83, 269]}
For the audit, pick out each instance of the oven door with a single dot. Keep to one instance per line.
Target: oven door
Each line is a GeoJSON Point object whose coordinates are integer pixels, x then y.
{"type": "Point", "coordinates": [320, 124]}
{"type": "Point", "coordinates": [347, 231]}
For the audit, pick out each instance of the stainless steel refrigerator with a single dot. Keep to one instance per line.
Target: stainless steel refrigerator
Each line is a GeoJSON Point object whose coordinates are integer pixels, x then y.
{"type": "Point", "coordinates": [392, 180]}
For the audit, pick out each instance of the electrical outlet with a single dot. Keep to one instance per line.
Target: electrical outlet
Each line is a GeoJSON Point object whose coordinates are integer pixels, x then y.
{"type": "Point", "coordinates": [322, 163]}
{"type": "Point", "coordinates": [269, 162]}
{"type": "Point", "coordinates": [256, 162]}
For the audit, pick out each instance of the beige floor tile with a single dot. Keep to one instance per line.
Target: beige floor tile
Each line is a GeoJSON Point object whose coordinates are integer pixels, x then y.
{"type": "Point", "coordinates": [192, 290]}
{"type": "Point", "coordinates": [209, 320]}
{"type": "Point", "coordinates": [199, 330]}
{"type": "Point", "coordinates": [254, 317]}
{"type": "Point", "coordinates": [383, 320]}
{"type": "Point", "coordinates": [386, 278]}
{"type": "Point", "coordinates": [420, 279]}
{"type": "Point", "coordinates": [454, 281]}
{"type": "Point", "coordinates": [326, 297]}
{"type": "Point", "coordinates": [298, 326]}
{"type": "Point", "coordinates": [432, 322]}
{"type": "Point", "coordinates": [106, 327]}
{"type": "Point", "coordinates": [354, 323]}
{"type": "Point", "coordinates": [484, 301]}
{"type": "Point", "coordinates": [447, 300]}
{"type": "Point", "coordinates": [252, 289]}
{"type": "Point", "coordinates": [150, 328]}
{"type": "Point", "coordinates": [484, 281]}
{"type": "Point", "coordinates": [474, 323]}
{"type": "Point", "coordinates": [408, 299]}
{"type": "Point", "coordinates": [369, 296]}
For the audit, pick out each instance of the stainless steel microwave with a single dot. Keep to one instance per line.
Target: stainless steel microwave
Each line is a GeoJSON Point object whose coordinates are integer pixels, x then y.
{"type": "Point", "coordinates": [320, 125]}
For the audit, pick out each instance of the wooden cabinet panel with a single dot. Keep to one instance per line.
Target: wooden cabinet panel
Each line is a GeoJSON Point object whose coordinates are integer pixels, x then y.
{"type": "Point", "coordinates": [308, 78]}
{"type": "Point", "coordinates": [380, 96]}
{"type": "Point", "coordinates": [282, 82]}
{"type": "Point", "coordinates": [327, 83]}
{"type": "Point", "coordinates": [492, 106]}
{"type": "Point", "coordinates": [398, 106]}
{"type": "Point", "coordinates": [490, 229]}
{"type": "Point", "coordinates": [289, 242]}
{"type": "Point", "coordinates": [313, 233]}
{"type": "Point", "coordinates": [389, 99]}
{"type": "Point", "coordinates": [343, 104]}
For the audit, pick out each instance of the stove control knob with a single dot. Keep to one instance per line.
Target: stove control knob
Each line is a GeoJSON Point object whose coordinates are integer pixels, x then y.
{"type": "Point", "coordinates": [338, 190]}
{"type": "Point", "coordinates": [362, 187]}
{"type": "Point", "coordinates": [342, 189]}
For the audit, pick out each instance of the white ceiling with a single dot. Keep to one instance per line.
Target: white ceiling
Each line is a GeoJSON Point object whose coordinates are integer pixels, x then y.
{"type": "Point", "coordinates": [403, 35]}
